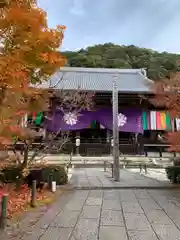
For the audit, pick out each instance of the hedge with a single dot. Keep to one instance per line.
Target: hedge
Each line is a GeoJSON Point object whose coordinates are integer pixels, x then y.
{"type": "Point", "coordinates": [173, 174]}
{"type": "Point", "coordinates": [59, 174]}
{"type": "Point", "coordinates": [13, 174]}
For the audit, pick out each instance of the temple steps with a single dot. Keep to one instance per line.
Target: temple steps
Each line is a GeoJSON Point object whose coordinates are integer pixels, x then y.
{"type": "Point", "coordinates": [128, 161]}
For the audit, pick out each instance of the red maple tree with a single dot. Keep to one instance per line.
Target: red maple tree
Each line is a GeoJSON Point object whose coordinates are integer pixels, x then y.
{"type": "Point", "coordinates": [167, 95]}
{"type": "Point", "coordinates": [29, 54]}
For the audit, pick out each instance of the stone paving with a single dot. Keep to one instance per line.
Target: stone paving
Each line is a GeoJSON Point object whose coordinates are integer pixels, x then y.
{"type": "Point", "coordinates": [91, 178]}
{"type": "Point", "coordinates": [105, 210]}
{"type": "Point", "coordinates": [108, 215]}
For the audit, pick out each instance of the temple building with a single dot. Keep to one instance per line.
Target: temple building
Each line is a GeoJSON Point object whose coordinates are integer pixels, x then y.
{"type": "Point", "coordinates": [141, 125]}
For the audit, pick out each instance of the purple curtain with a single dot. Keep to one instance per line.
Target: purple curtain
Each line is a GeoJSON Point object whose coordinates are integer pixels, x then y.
{"type": "Point", "coordinates": [129, 120]}
{"type": "Point", "coordinates": [69, 121]}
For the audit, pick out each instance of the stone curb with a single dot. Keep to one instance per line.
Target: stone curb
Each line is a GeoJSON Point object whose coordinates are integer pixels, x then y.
{"type": "Point", "coordinates": [71, 188]}
{"type": "Point", "coordinates": [126, 187]}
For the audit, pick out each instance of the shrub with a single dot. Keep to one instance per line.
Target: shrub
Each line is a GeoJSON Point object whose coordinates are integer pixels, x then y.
{"type": "Point", "coordinates": [58, 174]}
{"type": "Point", "coordinates": [35, 174]}
{"type": "Point", "coordinates": [13, 174]}
{"type": "Point", "coordinates": [173, 174]}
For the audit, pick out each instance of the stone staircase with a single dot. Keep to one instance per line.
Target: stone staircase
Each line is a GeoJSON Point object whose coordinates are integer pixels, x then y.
{"type": "Point", "coordinates": [125, 160]}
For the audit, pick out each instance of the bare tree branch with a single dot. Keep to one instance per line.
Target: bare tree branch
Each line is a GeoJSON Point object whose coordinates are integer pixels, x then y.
{"type": "Point", "coordinates": [75, 102]}
{"type": "Point", "coordinates": [57, 82]}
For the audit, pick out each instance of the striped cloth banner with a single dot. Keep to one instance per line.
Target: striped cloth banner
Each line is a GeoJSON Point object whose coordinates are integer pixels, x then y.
{"type": "Point", "coordinates": [177, 124]}
{"type": "Point", "coordinates": [24, 121]}
{"type": "Point", "coordinates": [156, 120]}
{"type": "Point", "coordinates": [163, 121]}
{"type": "Point", "coordinates": [146, 120]}
{"type": "Point", "coordinates": [37, 117]}
{"type": "Point", "coordinates": [153, 120]}
{"type": "Point", "coordinates": [96, 125]}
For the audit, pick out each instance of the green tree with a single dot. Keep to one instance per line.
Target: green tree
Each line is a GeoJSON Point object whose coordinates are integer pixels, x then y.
{"type": "Point", "coordinates": [108, 55]}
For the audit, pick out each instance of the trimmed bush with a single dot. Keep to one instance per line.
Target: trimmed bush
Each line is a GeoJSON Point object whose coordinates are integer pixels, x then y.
{"type": "Point", "coordinates": [41, 174]}
{"type": "Point", "coordinates": [173, 174]}
{"type": "Point", "coordinates": [35, 174]}
{"type": "Point", "coordinates": [58, 174]}
{"type": "Point", "coordinates": [11, 174]}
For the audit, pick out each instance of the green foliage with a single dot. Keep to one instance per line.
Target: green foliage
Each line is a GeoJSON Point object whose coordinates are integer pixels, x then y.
{"type": "Point", "coordinates": [173, 174]}
{"type": "Point", "coordinates": [158, 65]}
{"type": "Point", "coordinates": [58, 174]}
{"type": "Point", "coordinates": [13, 174]}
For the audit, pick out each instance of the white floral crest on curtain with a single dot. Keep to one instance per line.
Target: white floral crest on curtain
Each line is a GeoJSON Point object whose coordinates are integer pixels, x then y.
{"type": "Point", "coordinates": [122, 120]}
{"type": "Point", "coordinates": [70, 118]}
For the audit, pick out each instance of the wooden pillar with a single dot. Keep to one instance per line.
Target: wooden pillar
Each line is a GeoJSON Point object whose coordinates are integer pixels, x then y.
{"type": "Point", "coordinates": [78, 142]}
{"type": "Point", "coordinates": [108, 136]}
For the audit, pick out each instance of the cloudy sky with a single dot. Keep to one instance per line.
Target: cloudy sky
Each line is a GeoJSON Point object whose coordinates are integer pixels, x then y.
{"type": "Point", "coordinates": [145, 23]}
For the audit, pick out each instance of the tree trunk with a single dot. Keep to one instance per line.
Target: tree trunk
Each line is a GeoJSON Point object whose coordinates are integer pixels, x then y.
{"type": "Point", "coordinates": [24, 166]}
{"type": "Point", "coordinates": [25, 159]}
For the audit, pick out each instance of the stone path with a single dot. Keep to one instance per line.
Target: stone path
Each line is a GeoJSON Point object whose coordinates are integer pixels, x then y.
{"type": "Point", "coordinates": [132, 209]}
{"type": "Point", "coordinates": [92, 178]}
{"type": "Point", "coordinates": [107, 215]}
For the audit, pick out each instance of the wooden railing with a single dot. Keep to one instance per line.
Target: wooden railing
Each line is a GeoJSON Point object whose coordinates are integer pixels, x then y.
{"type": "Point", "coordinates": [101, 149]}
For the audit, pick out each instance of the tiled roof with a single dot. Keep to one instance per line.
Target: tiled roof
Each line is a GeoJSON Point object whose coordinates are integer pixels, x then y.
{"type": "Point", "coordinates": [99, 79]}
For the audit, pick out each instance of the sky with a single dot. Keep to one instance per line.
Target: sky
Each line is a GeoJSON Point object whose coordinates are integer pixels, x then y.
{"type": "Point", "coordinates": [145, 23]}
